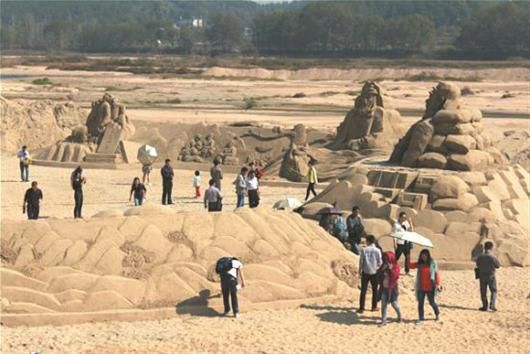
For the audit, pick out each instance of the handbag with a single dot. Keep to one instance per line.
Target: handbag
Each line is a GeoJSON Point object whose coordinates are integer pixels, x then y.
{"type": "Point", "coordinates": [477, 273]}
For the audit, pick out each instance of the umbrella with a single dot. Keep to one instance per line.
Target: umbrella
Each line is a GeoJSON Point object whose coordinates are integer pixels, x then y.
{"type": "Point", "coordinates": [287, 204]}
{"type": "Point", "coordinates": [412, 237]}
{"type": "Point", "coordinates": [327, 210]}
{"type": "Point", "coordinates": [147, 154]}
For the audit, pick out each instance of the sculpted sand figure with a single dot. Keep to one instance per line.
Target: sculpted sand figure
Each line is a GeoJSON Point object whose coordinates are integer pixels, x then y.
{"type": "Point", "coordinates": [230, 154]}
{"type": "Point", "coordinates": [295, 161]}
{"type": "Point", "coordinates": [107, 111]}
{"type": "Point", "coordinates": [208, 149]}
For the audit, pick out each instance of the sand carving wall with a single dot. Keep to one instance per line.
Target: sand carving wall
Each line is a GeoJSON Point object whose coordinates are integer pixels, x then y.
{"type": "Point", "coordinates": [453, 209]}
{"type": "Point", "coordinates": [152, 258]}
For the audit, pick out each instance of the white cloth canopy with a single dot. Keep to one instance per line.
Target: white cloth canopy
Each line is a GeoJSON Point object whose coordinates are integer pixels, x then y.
{"type": "Point", "coordinates": [287, 204]}
{"type": "Point", "coordinates": [147, 154]}
{"type": "Point", "coordinates": [412, 237]}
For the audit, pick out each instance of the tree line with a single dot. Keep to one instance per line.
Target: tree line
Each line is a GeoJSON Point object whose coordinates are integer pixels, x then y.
{"type": "Point", "coordinates": [383, 28]}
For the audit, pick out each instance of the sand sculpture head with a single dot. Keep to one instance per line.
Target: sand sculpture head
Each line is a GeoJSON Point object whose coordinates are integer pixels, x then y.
{"type": "Point", "coordinates": [442, 96]}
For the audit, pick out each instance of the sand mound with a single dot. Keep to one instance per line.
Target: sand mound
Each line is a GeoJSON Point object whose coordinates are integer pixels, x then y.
{"type": "Point", "coordinates": [36, 123]}
{"type": "Point", "coordinates": [151, 260]}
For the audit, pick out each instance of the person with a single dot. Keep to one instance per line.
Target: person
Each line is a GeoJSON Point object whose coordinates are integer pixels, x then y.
{"type": "Point", "coordinates": [24, 159]}
{"type": "Point", "coordinates": [369, 262]}
{"type": "Point", "coordinates": [241, 187]}
{"type": "Point", "coordinates": [229, 285]}
{"type": "Point", "coordinates": [339, 229]}
{"type": "Point", "coordinates": [325, 222]}
{"type": "Point", "coordinates": [403, 247]}
{"type": "Point", "coordinates": [389, 289]}
{"type": "Point", "coordinates": [146, 170]}
{"type": "Point", "coordinates": [213, 197]}
{"type": "Point", "coordinates": [355, 229]}
{"type": "Point", "coordinates": [253, 189]}
{"type": "Point", "coordinates": [259, 170]}
{"type": "Point", "coordinates": [487, 263]}
{"type": "Point", "coordinates": [197, 183]}
{"type": "Point", "coordinates": [216, 173]}
{"type": "Point", "coordinates": [427, 283]}
{"type": "Point", "coordinates": [77, 180]}
{"type": "Point", "coordinates": [138, 190]}
{"type": "Point", "coordinates": [167, 182]}
{"type": "Point", "coordinates": [32, 199]}
{"type": "Point", "coordinates": [312, 179]}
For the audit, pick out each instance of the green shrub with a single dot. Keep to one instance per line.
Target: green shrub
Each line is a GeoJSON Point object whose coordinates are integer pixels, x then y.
{"type": "Point", "coordinates": [42, 81]}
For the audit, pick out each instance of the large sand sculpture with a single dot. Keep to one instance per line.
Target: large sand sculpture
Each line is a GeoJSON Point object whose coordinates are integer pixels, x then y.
{"type": "Point", "coordinates": [149, 257]}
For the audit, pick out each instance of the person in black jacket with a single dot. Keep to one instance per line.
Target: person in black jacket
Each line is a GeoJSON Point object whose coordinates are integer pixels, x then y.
{"type": "Point", "coordinates": [167, 182]}
{"type": "Point", "coordinates": [32, 198]}
{"type": "Point", "coordinates": [77, 180]}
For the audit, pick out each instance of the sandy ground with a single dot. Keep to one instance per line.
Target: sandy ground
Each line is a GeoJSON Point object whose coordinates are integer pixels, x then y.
{"type": "Point", "coordinates": [315, 328]}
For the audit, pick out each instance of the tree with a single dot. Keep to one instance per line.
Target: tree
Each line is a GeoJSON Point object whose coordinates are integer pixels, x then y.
{"type": "Point", "coordinates": [224, 32]}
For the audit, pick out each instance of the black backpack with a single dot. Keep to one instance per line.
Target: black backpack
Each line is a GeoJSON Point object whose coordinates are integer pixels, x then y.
{"type": "Point", "coordinates": [224, 264]}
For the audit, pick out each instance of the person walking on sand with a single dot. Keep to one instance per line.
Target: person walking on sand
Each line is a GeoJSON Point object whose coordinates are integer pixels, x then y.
{"type": "Point", "coordinates": [487, 263]}
{"type": "Point", "coordinates": [230, 269]}
{"type": "Point", "coordinates": [241, 187]}
{"type": "Point", "coordinates": [389, 289]}
{"type": "Point", "coordinates": [216, 173]}
{"type": "Point", "coordinates": [312, 179]}
{"type": "Point", "coordinates": [24, 159]}
{"type": "Point", "coordinates": [427, 283]}
{"type": "Point", "coordinates": [32, 199]}
{"type": "Point", "coordinates": [146, 171]}
{"type": "Point", "coordinates": [197, 183]}
{"type": "Point", "coordinates": [167, 182]}
{"type": "Point", "coordinates": [139, 191]}
{"type": "Point", "coordinates": [369, 262]}
{"type": "Point", "coordinates": [253, 189]}
{"type": "Point", "coordinates": [78, 181]}
{"type": "Point", "coordinates": [403, 247]}
{"type": "Point", "coordinates": [213, 197]}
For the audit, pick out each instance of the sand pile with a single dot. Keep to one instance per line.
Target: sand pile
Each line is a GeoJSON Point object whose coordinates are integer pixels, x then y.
{"type": "Point", "coordinates": [36, 123]}
{"type": "Point", "coordinates": [151, 257]}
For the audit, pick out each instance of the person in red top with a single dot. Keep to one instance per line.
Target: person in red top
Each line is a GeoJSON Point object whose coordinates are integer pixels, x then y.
{"type": "Point", "coordinates": [427, 283]}
{"type": "Point", "coordinates": [389, 294]}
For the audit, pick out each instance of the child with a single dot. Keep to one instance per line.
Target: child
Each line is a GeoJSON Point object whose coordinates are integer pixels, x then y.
{"type": "Point", "coordinates": [197, 184]}
{"type": "Point", "coordinates": [146, 170]}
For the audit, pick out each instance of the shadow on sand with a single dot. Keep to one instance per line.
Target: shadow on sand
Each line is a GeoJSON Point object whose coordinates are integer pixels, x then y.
{"type": "Point", "coordinates": [198, 305]}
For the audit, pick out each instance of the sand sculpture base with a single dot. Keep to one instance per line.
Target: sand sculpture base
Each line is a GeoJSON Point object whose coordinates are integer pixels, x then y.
{"type": "Point", "coordinates": [453, 209]}
{"type": "Point", "coordinates": [151, 261]}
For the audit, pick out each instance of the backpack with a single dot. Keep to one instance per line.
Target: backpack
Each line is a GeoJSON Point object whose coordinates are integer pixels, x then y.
{"type": "Point", "coordinates": [223, 265]}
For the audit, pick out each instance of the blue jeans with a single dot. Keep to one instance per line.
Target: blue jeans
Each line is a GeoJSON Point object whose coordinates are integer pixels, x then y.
{"type": "Point", "coordinates": [24, 172]}
{"type": "Point", "coordinates": [138, 201]}
{"type": "Point", "coordinates": [240, 200]}
{"type": "Point", "coordinates": [421, 302]}
{"type": "Point", "coordinates": [392, 298]}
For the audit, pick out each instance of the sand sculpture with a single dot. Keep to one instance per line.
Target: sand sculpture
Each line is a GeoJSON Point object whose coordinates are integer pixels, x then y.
{"type": "Point", "coordinates": [449, 136]}
{"type": "Point", "coordinates": [150, 257]}
{"type": "Point", "coordinates": [107, 111]}
{"type": "Point", "coordinates": [372, 125]}
{"type": "Point", "coordinates": [198, 150]}
{"type": "Point", "coordinates": [294, 165]}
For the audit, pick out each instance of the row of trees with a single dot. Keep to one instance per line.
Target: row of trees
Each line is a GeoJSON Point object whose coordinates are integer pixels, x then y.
{"type": "Point", "coordinates": [321, 28]}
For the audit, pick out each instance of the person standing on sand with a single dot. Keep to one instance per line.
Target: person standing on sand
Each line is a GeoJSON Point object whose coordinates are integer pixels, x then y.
{"type": "Point", "coordinates": [487, 263]}
{"type": "Point", "coordinates": [403, 247]}
{"type": "Point", "coordinates": [355, 227]}
{"type": "Point", "coordinates": [24, 159]}
{"type": "Point", "coordinates": [167, 182]}
{"type": "Point", "coordinates": [229, 285]}
{"type": "Point", "coordinates": [197, 183]}
{"type": "Point", "coordinates": [427, 283]}
{"type": "Point", "coordinates": [32, 199]}
{"type": "Point", "coordinates": [390, 292]}
{"type": "Point", "coordinates": [216, 173]}
{"type": "Point", "coordinates": [146, 171]}
{"type": "Point", "coordinates": [78, 181]}
{"type": "Point", "coordinates": [139, 191]}
{"type": "Point", "coordinates": [369, 262]}
{"type": "Point", "coordinates": [213, 197]}
{"type": "Point", "coordinates": [253, 189]}
{"type": "Point", "coordinates": [241, 187]}
{"type": "Point", "coordinates": [312, 179]}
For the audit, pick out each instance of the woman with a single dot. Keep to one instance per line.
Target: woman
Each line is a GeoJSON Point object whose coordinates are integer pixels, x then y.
{"type": "Point", "coordinates": [427, 283]}
{"type": "Point", "coordinates": [241, 187]}
{"type": "Point", "coordinates": [389, 294]}
{"type": "Point", "coordinates": [252, 189]}
{"type": "Point", "coordinates": [139, 191]}
{"type": "Point", "coordinates": [77, 181]}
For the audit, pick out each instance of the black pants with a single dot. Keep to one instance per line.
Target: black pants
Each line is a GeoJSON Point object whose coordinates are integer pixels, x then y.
{"type": "Point", "coordinates": [405, 250]}
{"type": "Point", "coordinates": [167, 188]}
{"type": "Point", "coordinates": [365, 279]}
{"type": "Point", "coordinates": [78, 198]}
{"type": "Point", "coordinates": [214, 206]}
{"type": "Point", "coordinates": [485, 283]}
{"type": "Point", "coordinates": [229, 290]}
{"type": "Point", "coordinates": [310, 189]}
{"type": "Point", "coordinates": [253, 198]}
{"type": "Point", "coordinates": [33, 212]}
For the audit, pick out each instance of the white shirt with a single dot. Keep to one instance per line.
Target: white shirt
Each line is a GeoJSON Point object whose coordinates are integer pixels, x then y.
{"type": "Point", "coordinates": [235, 266]}
{"type": "Point", "coordinates": [252, 184]}
{"type": "Point", "coordinates": [23, 155]}
{"type": "Point", "coordinates": [196, 181]}
{"type": "Point", "coordinates": [401, 228]}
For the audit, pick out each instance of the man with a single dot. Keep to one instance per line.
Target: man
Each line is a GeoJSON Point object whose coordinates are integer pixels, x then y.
{"type": "Point", "coordinates": [312, 179]}
{"type": "Point", "coordinates": [167, 182]}
{"type": "Point", "coordinates": [77, 180]}
{"type": "Point", "coordinates": [486, 265]}
{"type": "Point", "coordinates": [216, 173]}
{"type": "Point", "coordinates": [32, 198]}
{"type": "Point", "coordinates": [355, 229]}
{"type": "Point", "coordinates": [403, 247]}
{"type": "Point", "coordinates": [369, 262]}
{"type": "Point", "coordinates": [213, 197]}
{"type": "Point", "coordinates": [241, 187]}
{"type": "Point", "coordinates": [229, 286]}
{"type": "Point", "coordinates": [24, 160]}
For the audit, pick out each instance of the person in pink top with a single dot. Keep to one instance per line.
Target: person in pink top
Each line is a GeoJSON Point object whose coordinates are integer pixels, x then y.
{"type": "Point", "coordinates": [389, 294]}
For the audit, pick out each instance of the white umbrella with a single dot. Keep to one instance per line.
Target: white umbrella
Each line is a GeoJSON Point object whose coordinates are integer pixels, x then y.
{"type": "Point", "coordinates": [147, 154]}
{"type": "Point", "coordinates": [412, 237]}
{"type": "Point", "coordinates": [287, 204]}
